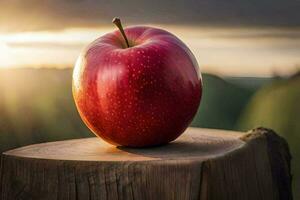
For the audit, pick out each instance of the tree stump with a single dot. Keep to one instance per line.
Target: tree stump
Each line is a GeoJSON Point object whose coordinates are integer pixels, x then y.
{"type": "Point", "coordinates": [201, 164]}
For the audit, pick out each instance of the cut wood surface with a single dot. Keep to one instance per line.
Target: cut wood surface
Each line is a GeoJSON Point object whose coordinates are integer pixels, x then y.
{"type": "Point", "coordinates": [200, 164]}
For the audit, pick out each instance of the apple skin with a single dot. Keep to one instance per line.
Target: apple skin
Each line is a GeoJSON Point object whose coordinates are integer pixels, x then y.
{"type": "Point", "coordinates": [145, 95]}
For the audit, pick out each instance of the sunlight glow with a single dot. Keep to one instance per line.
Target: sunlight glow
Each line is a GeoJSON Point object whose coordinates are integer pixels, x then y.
{"type": "Point", "coordinates": [38, 49]}
{"type": "Point", "coordinates": [4, 61]}
{"type": "Point", "coordinates": [223, 51]}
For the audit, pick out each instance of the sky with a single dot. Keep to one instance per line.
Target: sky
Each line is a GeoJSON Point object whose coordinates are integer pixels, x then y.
{"type": "Point", "coordinates": [233, 37]}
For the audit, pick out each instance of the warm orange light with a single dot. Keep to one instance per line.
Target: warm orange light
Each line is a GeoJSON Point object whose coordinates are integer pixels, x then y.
{"type": "Point", "coordinates": [224, 51]}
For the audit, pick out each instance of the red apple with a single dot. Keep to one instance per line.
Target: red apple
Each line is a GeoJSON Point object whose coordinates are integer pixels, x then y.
{"type": "Point", "coordinates": [140, 90]}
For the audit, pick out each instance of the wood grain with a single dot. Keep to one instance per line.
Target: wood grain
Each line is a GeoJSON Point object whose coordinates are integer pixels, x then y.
{"type": "Point", "coordinates": [201, 164]}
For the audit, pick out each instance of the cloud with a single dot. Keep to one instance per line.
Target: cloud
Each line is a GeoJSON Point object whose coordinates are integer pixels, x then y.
{"type": "Point", "coordinates": [20, 15]}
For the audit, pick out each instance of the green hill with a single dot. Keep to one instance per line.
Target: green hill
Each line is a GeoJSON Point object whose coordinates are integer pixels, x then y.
{"type": "Point", "coordinates": [277, 106]}
{"type": "Point", "coordinates": [221, 104]}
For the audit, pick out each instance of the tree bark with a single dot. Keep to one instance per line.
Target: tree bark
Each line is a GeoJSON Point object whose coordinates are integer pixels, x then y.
{"type": "Point", "coordinates": [201, 164]}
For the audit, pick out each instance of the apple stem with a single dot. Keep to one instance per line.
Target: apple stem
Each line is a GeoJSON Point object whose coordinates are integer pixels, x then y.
{"type": "Point", "coordinates": [118, 23]}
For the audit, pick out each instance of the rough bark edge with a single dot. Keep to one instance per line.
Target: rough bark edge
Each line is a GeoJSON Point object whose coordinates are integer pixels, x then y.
{"type": "Point", "coordinates": [244, 173]}
{"type": "Point", "coordinates": [279, 158]}
{"type": "Point", "coordinates": [262, 145]}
